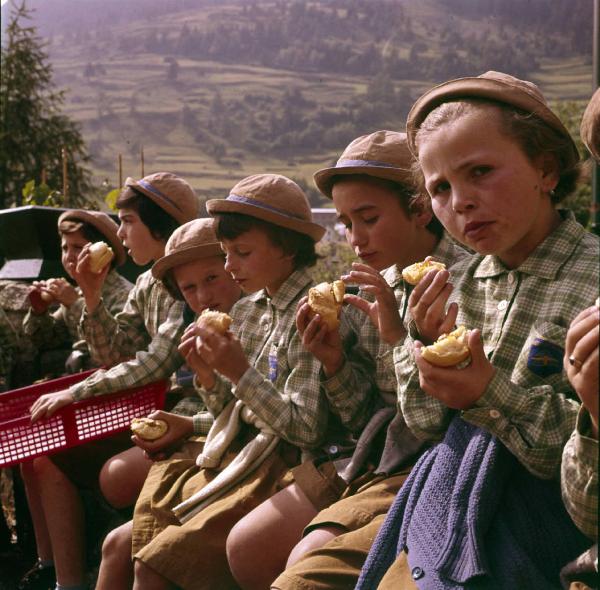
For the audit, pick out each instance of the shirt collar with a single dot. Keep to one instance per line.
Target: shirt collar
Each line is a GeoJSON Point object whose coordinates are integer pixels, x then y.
{"type": "Point", "coordinates": [289, 291]}
{"type": "Point", "coordinates": [547, 259]}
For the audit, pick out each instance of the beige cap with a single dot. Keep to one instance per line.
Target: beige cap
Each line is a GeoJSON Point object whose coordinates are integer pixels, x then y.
{"type": "Point", "coordinates": [190, 241]}
{"type": "Point", "coordinates": [171, 193]}
{"type": "Point", "coordinates": [103, 223]}
{"type": "Point", "coordinates": [495, 86]}
{"type": "Point", "coordinates": [383, 154]}
{"type": "Point", "coordinates": [273, 198]}
{"type": "Point", "coordinates": [590, 126]}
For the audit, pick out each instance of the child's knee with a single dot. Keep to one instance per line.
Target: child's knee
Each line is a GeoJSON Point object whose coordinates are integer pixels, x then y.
{"type": "Point", "coordinates": [117, 543]}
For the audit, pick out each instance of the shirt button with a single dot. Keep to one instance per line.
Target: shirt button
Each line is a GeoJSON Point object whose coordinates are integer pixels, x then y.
{"type": "Point", "coordinates": [266, 327]}
{"type": "Point", "coordinates": [495, 414]}
{"type": "Point", "coordinates": [417, 573]}
{"type": "Point", "coordinates": [511, 278]}
{"type": "Point", "coordinates": [503, 305]}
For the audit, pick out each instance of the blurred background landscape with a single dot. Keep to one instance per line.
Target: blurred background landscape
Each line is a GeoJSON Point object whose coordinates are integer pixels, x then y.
{"type": "Point", "coordinates": [217, 90]}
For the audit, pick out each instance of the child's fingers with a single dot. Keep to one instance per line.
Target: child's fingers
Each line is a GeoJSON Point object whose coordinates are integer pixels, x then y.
{"type": "Point", "coordinates": [357, 302]}
{"type": "Point", "coordinates": [587, 320]}
{"type": "Point", "coordinates": [585, 346]}
{"type": "Point", "coordinates": [450, 321]}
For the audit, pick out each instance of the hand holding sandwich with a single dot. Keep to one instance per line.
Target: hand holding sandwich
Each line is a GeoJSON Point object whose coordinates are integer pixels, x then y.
{"type": "Point", "coordinates": [93, 264]}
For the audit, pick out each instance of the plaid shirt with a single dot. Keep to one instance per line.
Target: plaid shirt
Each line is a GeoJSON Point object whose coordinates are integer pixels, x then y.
{"type": "Point", "coordinates": [282, 385]}
{"type": "Point", "coordinates": [63, 326]}
{"type": "Point", "coordinates": [355, 406]}
{"type": "Point", "coordinates": [523, 315]}
{"type": "Point", "coordinates": [579, 477]}
{"type": "Point", "coordinates": [149, 327]}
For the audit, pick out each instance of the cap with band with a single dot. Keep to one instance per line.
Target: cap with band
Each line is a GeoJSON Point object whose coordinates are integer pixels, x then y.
{"type": "Point", "coordinates": [273, 198]}
{"type": "Point", "coordinates": [191, 241]}
{"type": "Point", "coordinates": [171, 193]}
{"type": "Point", "coordinates": [382, 154]}
{"type": "Point", "coordinates": [494, 86]}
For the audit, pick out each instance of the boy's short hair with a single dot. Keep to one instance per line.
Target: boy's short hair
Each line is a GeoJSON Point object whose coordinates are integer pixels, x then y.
{"type": "Point", "coordinates": [229, 226]}
{"type": "Point", "coordinates": [155, 218]}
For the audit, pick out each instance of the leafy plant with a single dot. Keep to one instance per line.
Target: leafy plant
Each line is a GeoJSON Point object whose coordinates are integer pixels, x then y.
{"type": "Point", "coordinates": [41, 194]}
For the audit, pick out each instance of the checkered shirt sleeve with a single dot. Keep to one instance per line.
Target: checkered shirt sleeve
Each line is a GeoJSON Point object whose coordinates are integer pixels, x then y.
{"type": "Point", "coordinates": [63, 325]}
{"type": "Point", "coordinates": [149, 327]}
{"type": "Point", "coordinates": [523, 315]}
{"type": "Point", "coordinates": [282, 385]}
{"type": "Point", "coordinates": [579, 476]}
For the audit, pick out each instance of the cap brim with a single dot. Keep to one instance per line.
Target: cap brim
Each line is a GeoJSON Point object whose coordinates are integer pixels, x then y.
{"type": "Point", "coordinates": [166, 263]}
{"type": "Point", "coordinates": [314, 230]}
{"type": "Point", "coordinates": [323, 178]}
{"type": "Point", "coordinates": [488, 88]}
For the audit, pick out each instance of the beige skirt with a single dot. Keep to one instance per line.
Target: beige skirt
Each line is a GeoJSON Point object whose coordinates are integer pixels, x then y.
{"type": "Point", "coordinates": [192, 555]}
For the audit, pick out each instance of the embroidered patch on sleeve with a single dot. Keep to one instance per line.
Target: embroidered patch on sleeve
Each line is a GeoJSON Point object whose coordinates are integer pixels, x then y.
{"type": "Point", "coordinates": [545, 358]}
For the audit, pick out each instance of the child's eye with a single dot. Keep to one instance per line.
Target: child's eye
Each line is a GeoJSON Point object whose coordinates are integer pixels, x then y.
{"type": "Point", "coordinates": [481, 170]}
{"type": "Point", "coordinates": [371, 220]}
{"type": "Point", "coordinates": [210, 278]}
{"type": "Point", "coordinates": [440, 188]}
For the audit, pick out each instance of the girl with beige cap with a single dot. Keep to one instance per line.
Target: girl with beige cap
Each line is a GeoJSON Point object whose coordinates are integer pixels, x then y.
{"type": "Point", "coordinates": [390, 226]}
{"type": "Point", "coordinates": [192, 270]}
{"type": "Point", "coordinates": [496, 161]}
{"type": "Point", "coordinates": [142, 339]}
{"type": "Point", "coordinates": [263, 390]}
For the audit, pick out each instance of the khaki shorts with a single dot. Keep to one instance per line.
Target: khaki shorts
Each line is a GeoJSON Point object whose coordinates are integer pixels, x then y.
{"type": "Point", "coordinates": [192, 555]}
{"type": "Point", "coordinates": [337, 564]}
{"type": "Point", "coordinates": [320, 483]}
{"type": "Point", "coordinates": [366, 502]}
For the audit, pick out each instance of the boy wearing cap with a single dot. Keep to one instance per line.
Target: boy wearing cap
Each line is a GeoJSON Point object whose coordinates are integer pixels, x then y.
{"type": "Point", "coordinates": [149, 327]}
{"type": "Point", "coordinates": [483, 507]}
{"type": "Point", "coordinates": [390, 226]}
{"type": "Point", "coordinates": [76, 229]}
{"type": "Point", "coordinates": [191, 270]}
{"type": "Point", "coordinates": [263, 389]}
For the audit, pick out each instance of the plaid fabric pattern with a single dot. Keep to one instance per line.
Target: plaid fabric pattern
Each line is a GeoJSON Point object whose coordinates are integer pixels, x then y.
{"type": "Point", "coordinates": [523, 315]}
{"type": "Point", "coordinates": [63, 326]}
{"type": "Point", "coordinates": [282, 385]}
{"type": "Point", "coordinates": [579, 477]}
{"type": "Point", "coordinates": [355, 405]}
{"type": "Point", "coordinates": [149, 327]}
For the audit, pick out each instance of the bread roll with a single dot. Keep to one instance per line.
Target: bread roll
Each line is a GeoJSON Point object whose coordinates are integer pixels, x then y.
{"type": "Point", "coordinates": [148, 428]}
{"type": "Point", "coordinates": [326, 300]}
{"type": "Point", "coordinates": [415, 272]}
{"type": "Point", "coordinates": [449, 349]}
{"type": "Point", "coordinates": [100, 255]}
{"type": "Point", "coordinates": [214, 320]}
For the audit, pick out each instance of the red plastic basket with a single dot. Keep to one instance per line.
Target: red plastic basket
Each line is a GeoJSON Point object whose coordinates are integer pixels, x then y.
{"type": "Point", "coordinates": [74, 424]}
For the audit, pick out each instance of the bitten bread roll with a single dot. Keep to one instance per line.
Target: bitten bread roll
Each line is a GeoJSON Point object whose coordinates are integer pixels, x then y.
{"type": "Point", "coordinates": [100, 255]}
{"type": "Point", "coordinates": [215, 320]}
{"type": "Point", "coordinates": [326, 299]}
{"type": "Point", "coordinates": [415, 272]}
{"type": "Point", "coordinates": [449, 349]}
{"type": "Point", "coordinates": [148, 429]}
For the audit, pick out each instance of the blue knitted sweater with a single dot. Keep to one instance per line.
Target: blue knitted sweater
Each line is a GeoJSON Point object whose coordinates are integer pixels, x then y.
{"type": "Point", "coordinates": [471, 516]}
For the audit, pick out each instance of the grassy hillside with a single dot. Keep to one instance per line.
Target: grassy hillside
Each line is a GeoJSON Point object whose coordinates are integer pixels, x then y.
{"type": "Point", "coordinates": [218, 90]}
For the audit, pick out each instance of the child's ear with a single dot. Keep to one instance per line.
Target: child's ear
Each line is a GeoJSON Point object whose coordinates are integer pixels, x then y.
{"type": "Point", "coordinates": [421, 213]}
{"type": "Point", "coordinates": [550, 174]}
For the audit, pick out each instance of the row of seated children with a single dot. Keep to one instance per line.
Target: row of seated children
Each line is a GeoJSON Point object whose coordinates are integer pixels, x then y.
{"type": "Point", "coordinates": [465, 512]}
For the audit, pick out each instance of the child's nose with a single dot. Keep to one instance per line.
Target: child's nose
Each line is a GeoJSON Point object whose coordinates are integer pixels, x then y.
{"type": "Point", "coordinates": [463, 199]}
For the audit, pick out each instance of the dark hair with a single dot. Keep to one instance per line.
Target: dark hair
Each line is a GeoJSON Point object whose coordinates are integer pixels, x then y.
{"type": "Point", "coordinates": [534, 136]}
{"type": "Point", "coordinates": [411, 199]}
{"type": "Point", "coordinates": [155, 218]}
{"type": "Point", "coordinates": [229, 226]}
